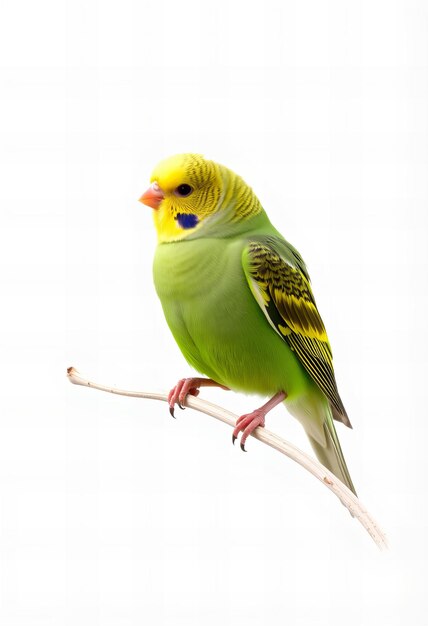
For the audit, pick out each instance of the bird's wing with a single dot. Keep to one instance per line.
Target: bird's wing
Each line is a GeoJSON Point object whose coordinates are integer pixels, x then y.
{"type": "Point", "coordinates": [279, 282]}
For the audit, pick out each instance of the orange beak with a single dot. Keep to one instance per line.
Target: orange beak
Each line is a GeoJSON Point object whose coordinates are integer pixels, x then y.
{"type": "Point", "coordinates": [153, 196]}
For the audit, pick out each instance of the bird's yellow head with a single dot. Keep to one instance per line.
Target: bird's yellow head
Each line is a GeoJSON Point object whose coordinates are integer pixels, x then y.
{"type": "Point", "coordinates": [189, 193]}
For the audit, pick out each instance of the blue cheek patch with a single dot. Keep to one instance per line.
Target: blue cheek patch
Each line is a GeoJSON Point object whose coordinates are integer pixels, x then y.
{"type": "Point", "coordinates": [187, 220]}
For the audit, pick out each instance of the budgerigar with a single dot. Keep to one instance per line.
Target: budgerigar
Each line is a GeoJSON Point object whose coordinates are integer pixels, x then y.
{"type": "Point", "coordinates": [238, 300]}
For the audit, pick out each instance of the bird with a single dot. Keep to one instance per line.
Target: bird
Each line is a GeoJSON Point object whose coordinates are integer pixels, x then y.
{"type": "Point", "coordinates": [238, 300]}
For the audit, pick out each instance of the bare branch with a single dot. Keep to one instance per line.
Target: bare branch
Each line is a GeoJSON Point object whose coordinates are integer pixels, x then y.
{"type": "Point", "coordinates": [348, 499]}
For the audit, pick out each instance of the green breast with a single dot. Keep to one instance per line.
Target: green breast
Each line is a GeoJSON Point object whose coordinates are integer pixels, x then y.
{"type": "Point", "coordinates": [216, 321]}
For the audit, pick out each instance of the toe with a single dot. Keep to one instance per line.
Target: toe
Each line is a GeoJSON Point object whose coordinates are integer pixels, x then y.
{"type": "Point", "coordinates": [186, 389]}
{"type": "Point", "coordinates": [236, 432]}
{"type": "Point", "coordinates": [253, 422]}
{"type": "Point", "coordinates": [173, 396]}
{"type": "Point", "coordinates": [240, 419]}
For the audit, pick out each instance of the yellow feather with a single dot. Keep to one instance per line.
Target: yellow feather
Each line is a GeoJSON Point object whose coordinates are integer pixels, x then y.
{"type": "Point", "coordinates": [215, 189]}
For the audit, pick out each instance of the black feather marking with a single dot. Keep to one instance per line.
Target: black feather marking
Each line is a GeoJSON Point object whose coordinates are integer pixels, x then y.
{"type": "Point", "coordinates": [290, 306]}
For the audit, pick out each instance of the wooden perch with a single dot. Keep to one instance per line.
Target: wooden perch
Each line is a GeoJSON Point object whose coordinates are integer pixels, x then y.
{"type": "Point", "coordinates": [348, 499]}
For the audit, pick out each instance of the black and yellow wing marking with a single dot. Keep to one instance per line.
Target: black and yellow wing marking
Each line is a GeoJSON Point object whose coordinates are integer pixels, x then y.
{"type": "Point", "coordinates": [282, 290]}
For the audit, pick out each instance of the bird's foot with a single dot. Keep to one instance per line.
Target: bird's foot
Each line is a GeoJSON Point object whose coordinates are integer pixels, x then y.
{"type": "Point", "coordinates": [246, 424]}
{"type": "Point", "coordinates": [188, 386]}
{"type": "Point", "coordinates": [250, 421]}
{"type": "Point", "coordinates": [177, 395]}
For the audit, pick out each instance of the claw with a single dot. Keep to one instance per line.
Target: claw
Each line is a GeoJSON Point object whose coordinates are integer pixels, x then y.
{"type": "Point", "coordinates": [171, 410]}
{"type": "Point", "coordinates": [234, 439]}
{"type": "Point", "coordinates": [243, 447]}
{"type": "Point", "coordinates": [181, 407]}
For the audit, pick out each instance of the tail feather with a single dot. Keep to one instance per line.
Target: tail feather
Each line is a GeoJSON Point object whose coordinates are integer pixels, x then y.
{"type": "Point", "coordinates": [315, 414]}
{"type": "Point", "coordinates": [340, 416]}
{"type": "Point", "coordinates": [330, 454]}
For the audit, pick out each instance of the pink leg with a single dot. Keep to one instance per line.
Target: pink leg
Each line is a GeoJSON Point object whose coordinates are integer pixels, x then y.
{"type": "Point", "coordinates": [188, 386]}
{"type": "Point", "coordinates": [250, 421]}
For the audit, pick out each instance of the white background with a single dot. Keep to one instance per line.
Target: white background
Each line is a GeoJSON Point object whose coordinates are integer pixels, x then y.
{"type": "Point", "coordinates": [111, 512]}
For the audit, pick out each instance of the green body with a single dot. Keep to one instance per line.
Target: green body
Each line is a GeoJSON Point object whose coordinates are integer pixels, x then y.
{"type": "Point", "coordinates": [223, 332]}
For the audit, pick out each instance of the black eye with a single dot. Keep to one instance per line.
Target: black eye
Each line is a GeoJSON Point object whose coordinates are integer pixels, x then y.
{"type": "Point", "coordinates": [183, 190]}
